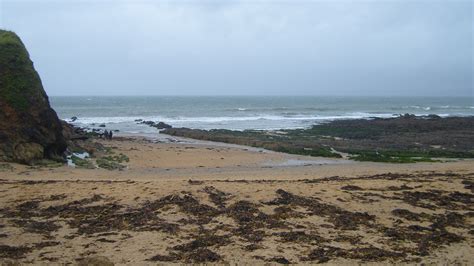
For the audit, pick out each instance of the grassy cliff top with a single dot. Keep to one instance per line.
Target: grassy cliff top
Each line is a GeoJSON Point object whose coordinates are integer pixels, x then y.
{"type": "Point", "coordinates": [9, 37]}
{"type": "Point", "coordinates": [19, 83]}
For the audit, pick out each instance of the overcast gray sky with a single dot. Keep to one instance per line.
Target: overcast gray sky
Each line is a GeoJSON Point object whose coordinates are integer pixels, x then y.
{"type": "Point", "coordinates": [220, 47]}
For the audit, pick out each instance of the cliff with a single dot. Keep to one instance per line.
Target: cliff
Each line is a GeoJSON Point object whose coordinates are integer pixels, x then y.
{"type": "Point", "coordinates": [29, 128]}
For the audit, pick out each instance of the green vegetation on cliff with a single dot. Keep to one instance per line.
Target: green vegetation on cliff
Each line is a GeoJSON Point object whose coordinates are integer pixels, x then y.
{"type": "Point", "coordinates": [19, 82]}
{"type": "Point", "coordinates": [31, 130]}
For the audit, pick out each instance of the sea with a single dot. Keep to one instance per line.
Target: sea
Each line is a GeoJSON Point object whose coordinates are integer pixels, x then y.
{"type": "Point", "coordinates": [244, 112]}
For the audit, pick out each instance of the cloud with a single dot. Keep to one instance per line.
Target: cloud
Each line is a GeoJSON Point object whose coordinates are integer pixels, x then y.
{"type": "Point", "coordinates": [248, 47]}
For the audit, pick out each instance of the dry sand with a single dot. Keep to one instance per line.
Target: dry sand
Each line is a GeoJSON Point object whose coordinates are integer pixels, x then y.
{"type": "Point", "coordinates": [199, 202]}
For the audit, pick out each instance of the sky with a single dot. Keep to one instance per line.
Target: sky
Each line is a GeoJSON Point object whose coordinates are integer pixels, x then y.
{"type": "Point", "coordinates": [248, 47]}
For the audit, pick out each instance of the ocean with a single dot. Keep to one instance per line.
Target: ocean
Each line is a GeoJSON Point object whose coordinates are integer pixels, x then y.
{"type": "Point", "coordinates": [244, 112]}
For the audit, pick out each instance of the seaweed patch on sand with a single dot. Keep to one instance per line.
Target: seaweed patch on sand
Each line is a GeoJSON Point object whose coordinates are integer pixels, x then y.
{"type": "Point", "coordinates": [214, 221]}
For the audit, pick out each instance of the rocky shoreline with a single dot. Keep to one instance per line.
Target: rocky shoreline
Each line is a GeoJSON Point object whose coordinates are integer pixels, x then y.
{"type": "Point", "coordinates": [404, 139]}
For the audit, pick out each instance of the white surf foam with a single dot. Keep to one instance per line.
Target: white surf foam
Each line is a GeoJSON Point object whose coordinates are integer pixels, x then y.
{"type": "Point", "coordinates": [133, 119]}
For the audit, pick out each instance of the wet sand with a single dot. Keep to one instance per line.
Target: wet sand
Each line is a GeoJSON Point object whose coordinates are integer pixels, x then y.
{"type": "Point", "coordinates": [201, 202]}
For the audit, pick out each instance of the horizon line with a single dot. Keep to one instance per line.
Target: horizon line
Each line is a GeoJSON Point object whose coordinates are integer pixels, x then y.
{"type": "Point", "coordinates": [246, 95]}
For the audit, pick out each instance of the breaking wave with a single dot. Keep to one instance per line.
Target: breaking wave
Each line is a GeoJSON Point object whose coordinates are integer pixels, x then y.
{"type": "Point", "coordinates": [128, 119]}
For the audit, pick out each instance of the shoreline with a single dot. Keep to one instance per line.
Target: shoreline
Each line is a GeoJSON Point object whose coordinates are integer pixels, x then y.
{"type": "Point", "coordinates": [151, 160]}
{"type": "Point", "coordinates": [404, 139]}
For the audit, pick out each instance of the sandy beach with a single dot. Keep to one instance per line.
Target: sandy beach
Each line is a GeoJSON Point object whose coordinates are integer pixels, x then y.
{"type": "Point", "coordinates": [198, 202]}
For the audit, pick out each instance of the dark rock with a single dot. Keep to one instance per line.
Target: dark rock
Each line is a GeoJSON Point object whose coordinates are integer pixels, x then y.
{"type": "Point", "coordinates": [433, 116]}
{"type": "Point", "coordinates": [408, 116]}
{"type": "Point", "coordinates": [102, 125]}
{"type": "Point", "coordinates": [159, 125]}
{"type": "Point", "coordinates": [351, 187]}
{"type": "Point", "coordinates": [281, 260]}
{"type": "Point", "coordinates": [150, 123]}
{"type": "Point", "coordinates": [73, 119]}
{"type": "Point", "coordinates": [71, 132]}
{"type": "Point", "coordinates": [195, 182]}
{"type": "Point", "coordinates": [29, 129]}
{"type": "Point", "coordinates": [79, 141]}
{"type": "Point", "coordinates": [162, 125]}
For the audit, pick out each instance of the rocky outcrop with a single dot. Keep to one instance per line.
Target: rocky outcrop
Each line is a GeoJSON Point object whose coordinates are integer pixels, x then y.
{"type": "Point", "coordinates": [162, 125]}
{"type": "Point", "coordinates": [29, 129]}
{"type": "Point", "coordinates": [159, 125]}
{"type": "Point", "coordinates": [79, 140]}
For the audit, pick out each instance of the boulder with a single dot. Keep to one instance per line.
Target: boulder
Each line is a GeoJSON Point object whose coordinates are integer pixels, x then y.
{"type": "Point", "coordinates": [29, 128]}
{"type": "Point", "coordinates": [408, 116]}
{"type": "Point", "coordinates": [79, 140]}
{"type": "Point", "coordinates": [162, 125]}
{"type": "Point", "coordinates": [433, 116]}
{"type": "Point", "coordinates": [149, 123]}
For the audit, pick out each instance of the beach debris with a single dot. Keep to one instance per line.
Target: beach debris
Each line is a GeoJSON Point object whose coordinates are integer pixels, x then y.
{"type": "Point", "coordinates": [433, 199]}
{"type": "Point", "coordinates": [351, 187]}
{"type": "Point", "coordinates": [80, 160]}
{"type": "Point", "coordinates": [39, 227]}
{"type": "Point", "coordinates": [301, 237]}
{"type": "Point", "coordinates": [171, 257]}
{"type": "Point", "coordinates": [371, 253]}
{"type": "Point", "coordinates": [341, 218]}
{"type": "Point", "coordinates": [279, 259]}
{"type": "Point", "coordinates": [468, 184]}
{"type": "Point", "coordinates": [412, 216]}
{"type": "Point", "coordinates": [204, 239]}
{"type": "Point", "coordinates": [195, 182]}
{"type": "Point", "coordinates": [201, 255]}
{"type": "Point", "coordinates": [217, 197]}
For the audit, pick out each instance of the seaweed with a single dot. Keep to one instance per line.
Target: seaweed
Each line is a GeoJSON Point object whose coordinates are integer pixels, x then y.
{"type": "Point", "coordinates": [291, 220]}
{"type": "Point", "coordinates": [13, 252]}
{"type": "Point", "coordinates": [342, 219]}
{"type": "Point", "coordinates": [404, 213]}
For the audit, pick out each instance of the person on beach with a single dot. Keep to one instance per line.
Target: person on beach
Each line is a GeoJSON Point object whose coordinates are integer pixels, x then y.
{"type": "Point", "coordinates": [110, 134]}
{"type": "Point", "coordinates": [106, 134]}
